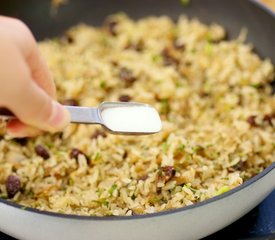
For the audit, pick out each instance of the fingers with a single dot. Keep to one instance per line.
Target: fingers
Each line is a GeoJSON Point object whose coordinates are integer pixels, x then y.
{"type": "Point", "coordinates": [40, 72]}
{"type": "Point", "coordinates": [28, 101]}
{"type": "Point", "coordinates": [35, 108]}
{"type": "Point", "coordinates": [22, 38]}
{"type": "Point", "coordinates": [26, 84]}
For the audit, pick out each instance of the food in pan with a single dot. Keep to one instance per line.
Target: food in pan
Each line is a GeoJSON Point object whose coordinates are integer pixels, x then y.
{"type": "Point", "coordinates": [216, 103]}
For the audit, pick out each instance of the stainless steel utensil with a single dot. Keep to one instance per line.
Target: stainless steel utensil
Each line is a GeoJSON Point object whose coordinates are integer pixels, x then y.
{"type": "Point", "coordinates": [93, 115]}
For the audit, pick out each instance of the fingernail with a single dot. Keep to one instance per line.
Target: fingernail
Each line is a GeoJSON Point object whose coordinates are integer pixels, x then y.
{"type": "Point", "coordinates": [60, 117]}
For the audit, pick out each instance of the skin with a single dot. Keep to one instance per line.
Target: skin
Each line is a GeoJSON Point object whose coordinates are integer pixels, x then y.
{"type": "Point", "coordinates": [26, 85]}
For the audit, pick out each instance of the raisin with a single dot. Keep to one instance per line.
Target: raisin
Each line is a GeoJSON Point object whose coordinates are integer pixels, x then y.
{"type": "Point", "coordinates": [143, 177]}
{"type": "Point", "coordinates": [76, 152]}
{"type": "Point", "coordinates": [139, 46]}
{"type": "Point", "coordinates": [13, 185]}
{"type": "Point", "coordinates": [124, 98]}
{"type": "Point", "coordinates": [99, 133]}
{"type": "Point", "coordinates": [169, 58]}
{"type": "Point", "coordinates": [127, 76]}
{"type": "Point", "coordinates": [251, 121]}
{"type": "Point", "coordinates": [111, 26]}
{"type": "Point", "coordinates": [70, 102]}
{"type": "Point", "coordinates": [169, 171]}
{"type": "Point", "coordinates": [67, 39]}
{"type": "Point", "coordinates": [42, 152]}
{"type": "Point", "coordinates": [125, 154]}
{"type": "Point", "coordinates": [178, 45]}
{"type": "Point", "coordinates": [240, 166]}
{"type": "Point", "coordinates": [166, 173]}
{"type": "Point", "coordinates": [268, 118]}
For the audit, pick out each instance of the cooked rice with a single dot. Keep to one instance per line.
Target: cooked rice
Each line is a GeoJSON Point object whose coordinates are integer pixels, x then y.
{"type": "Point", "coordinates": [215, 101]}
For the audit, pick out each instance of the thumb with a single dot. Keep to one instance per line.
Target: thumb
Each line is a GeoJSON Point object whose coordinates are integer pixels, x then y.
{"type": "Point", "coordinates": [34, 107]}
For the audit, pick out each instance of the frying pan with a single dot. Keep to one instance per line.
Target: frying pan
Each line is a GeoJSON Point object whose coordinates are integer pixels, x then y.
{"type": "Point", "coordinates": [192, 222]}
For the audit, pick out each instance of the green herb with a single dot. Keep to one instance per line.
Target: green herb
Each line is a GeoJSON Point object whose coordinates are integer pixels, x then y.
{"type": "Point", "coordinates": [165, 108]}
{"type": "Point", "coordinates": [102, 84]}
{"type": "Point", "coordinates": [60, 153]}
{"type": "Point", "coordinates": [156, 58]}
{"type": "Point", "coordinates": [158, 81]}
{"type": "Point", "coordinates": [165, 146]}
{"type": "Point", "coordinates": [225, 178]}
{"type": "Point", "coordinates": [97, 157]}
{"type": "Point", "coordinates": [154, 200]}
{"type": "Point", "coordinates": [188, 185]}
{"type": "Point", "coordinates": [4, 196]}
{"type": "Point", "coordinates": [185, 3]}
{"type": "Point", "coordinates": [208, 48]}
{"type": "Point", "coordinates": [209, 38]}
{"type": "Point", "coordinates": [256, 85]}
{"type": "Point", "coordinates": [180, 148]}
{"type": "Point", "coordinates": [23, 207]}
{"type": "Point", "coordinates": [103, 201]}
{"type": "Point", "coordinates": [188, 157]}
{"type": "Point", "coordinates": [178, 84]}
{"type": "Point", "coordinates": [222, 190]}
{"type": "Point", "coordinates": [71, 182]}
{"type": "Point", "coordinates": [104, 41]}
{"type": "Point", "coordinates": [30, 194]}
{"type": "Point", "coordinates": [49, 144]}
{"type": "Point", "coordinates": [100, 191]}
{"type": "Point", "coordinates": [112, 189]}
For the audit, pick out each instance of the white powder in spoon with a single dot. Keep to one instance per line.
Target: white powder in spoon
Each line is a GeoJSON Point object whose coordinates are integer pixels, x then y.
{"type": "Point", "coordinates": [132, 119]}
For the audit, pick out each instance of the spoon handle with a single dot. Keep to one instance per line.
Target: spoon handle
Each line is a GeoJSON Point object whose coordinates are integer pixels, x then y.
{"type": "Point", "coordinates": [78, 114]}
{"type": "Point", "coordinates": [88, 115]}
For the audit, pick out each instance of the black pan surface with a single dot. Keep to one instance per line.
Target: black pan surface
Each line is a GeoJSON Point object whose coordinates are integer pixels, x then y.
{"type": "Point", "coordinates": [46, 23]}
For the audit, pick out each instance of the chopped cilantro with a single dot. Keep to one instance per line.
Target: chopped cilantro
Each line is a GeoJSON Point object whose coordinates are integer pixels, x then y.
{"type": "Point", "coordinates": [222, 190]}
{"type": "Point", "coordinates": [102, 84]}
{"type": "Point", "coordinates": [112, 189]}
{"type": "Point", "coordinates": [185, 2]}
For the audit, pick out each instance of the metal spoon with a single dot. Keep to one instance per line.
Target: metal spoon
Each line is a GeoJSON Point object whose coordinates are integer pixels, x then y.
{"type": "Point", "coordinates": [128, 118]}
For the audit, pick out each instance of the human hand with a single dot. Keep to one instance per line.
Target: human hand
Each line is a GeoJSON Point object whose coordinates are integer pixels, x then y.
{"type": "Point", "coordinates": [26, 86]}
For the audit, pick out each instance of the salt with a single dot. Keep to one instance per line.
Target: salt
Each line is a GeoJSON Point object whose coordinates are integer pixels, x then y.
{"type": "Point", "coordinates": [134, 119]}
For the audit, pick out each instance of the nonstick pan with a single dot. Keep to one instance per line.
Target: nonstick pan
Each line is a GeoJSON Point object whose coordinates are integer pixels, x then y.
{"type": "Point", "coordinates": [192, 222]}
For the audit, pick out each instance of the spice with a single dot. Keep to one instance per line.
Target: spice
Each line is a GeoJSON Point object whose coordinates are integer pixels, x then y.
{"type": "Point", "coordinates": [70, 102]}
{"type": "Point", "coordinates": [67, 39]}
{"type": "Point", "coordinates": [269, 118]}
{"type": "Point", "coordinates": [99, 133]}
{"type": "Point", "coordinates": [76, 152]}
{"type": "Point", "coordinates": [166, 173]}
{"type": "Point", "coordinates": [124, 98]}
{"type": "Point", "coordinates": [13, 185]}
{"type": "Point", "coordinates": [111, 25]}
{"type": "Point", "coordinates": [42, 152]}
{"type": "Point", "coordinates": [165, 107]}
{"type": "Point", "coordinates": [139, 46]}
{"type": "Point", "coordinates": [169, 58]}
{"type": "Point", "coordinates": [178, 45]}
{"type": "Point", "coordinates": [251, 120]}
{"type": "Point", "coordinates": [127, 76]}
